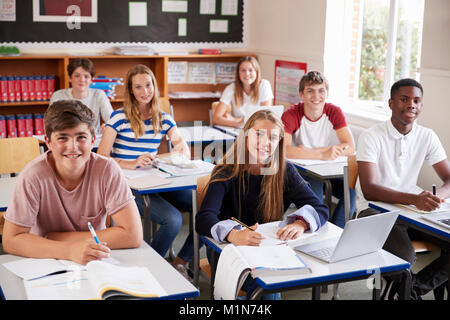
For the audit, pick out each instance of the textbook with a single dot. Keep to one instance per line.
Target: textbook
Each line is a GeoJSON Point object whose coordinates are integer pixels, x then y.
{"type": "Point", "coordinates": [99, 280]}
{"type": "Point", "coordinates": [237, 262]}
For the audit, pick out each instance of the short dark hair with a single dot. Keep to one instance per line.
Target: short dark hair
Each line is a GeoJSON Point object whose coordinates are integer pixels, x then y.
{"type": "Point", "coordinates": [312, 77]}
{"type": "Point", "coordinates": [85, 63]}
{"type": "Point", "coordinates": [407, 82]}
{"type": "Point", "coordinates": [67, 114]}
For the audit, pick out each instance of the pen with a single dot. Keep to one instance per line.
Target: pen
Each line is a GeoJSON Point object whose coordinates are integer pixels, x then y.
{"type": "Point", "coordinates": [162, 170]}
{"type": "Point", "coordinates": [91, 229]}
{"type": "Point", "coordinates": [433, 186]}
{"type": "Point", "coordinates": [345, 147]}
{"type": "Point", "coordinates": [241, 223]}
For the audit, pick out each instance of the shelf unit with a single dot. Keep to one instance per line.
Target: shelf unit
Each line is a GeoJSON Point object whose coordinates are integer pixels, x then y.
{"type": "Point", "coordinates": [185, 110]}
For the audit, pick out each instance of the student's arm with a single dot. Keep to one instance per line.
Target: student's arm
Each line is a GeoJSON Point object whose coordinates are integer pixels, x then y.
{"type": "Point", "coordinates": [105, 147]}
{"type": "Point", "coordinates": [179, 145]}
{"type": "Point", "coordinates": [18, 241]}
{"type": "Point", "coordinates": [373, 191]}
{"type": "Point", "coordinates": [442, 169]}
{"type": "Point", "coordinates": [346, 147]}
{"type": "Point", "coordinates": [222, 118]}
{"type": "Point", "coordinates": [126, 232]}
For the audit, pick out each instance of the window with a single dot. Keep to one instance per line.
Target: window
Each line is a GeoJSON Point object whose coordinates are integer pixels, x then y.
{"type": "Point", "coordinates": [382, 44]}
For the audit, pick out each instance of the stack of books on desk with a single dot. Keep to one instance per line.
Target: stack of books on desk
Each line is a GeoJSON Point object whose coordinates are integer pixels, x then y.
{"type": "Point", "coordinates": [134, 50]}
{"type": "Point", "coordinates": [108, 85]}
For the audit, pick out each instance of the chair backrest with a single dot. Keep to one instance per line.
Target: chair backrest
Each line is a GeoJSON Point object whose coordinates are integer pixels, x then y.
{"type": "Point", "coordinates": [350, 177]}
{"type": "Point", "coordinates": [16, 153]}
{"type": "Point", "coordinates": [213, 108]}
{"type": "Point", "coordinates": [202, 183]}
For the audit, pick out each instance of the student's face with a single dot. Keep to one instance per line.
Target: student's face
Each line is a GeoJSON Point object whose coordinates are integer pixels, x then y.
{"type": "Point", "coordinates": [406, 105]}
{"type": "Point", "coordinates": [263, 139]}
{"type": "Point", "coordinates": [71, 148]}
{"type": "Point", "coordinates": [80, 79]}
{"type": "Point", "coordinates": [314, 95]}
{"type": "Point", "coordinates": [247, 73]}
{"type": "Point", "coordinates": [142, 88]}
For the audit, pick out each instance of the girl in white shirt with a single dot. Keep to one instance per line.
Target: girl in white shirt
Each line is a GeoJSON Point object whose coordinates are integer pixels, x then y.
{"type": "Point", "coordinates": [247, 89]}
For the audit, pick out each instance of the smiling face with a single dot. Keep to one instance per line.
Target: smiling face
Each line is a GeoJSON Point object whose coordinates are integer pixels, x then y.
{"type": "Point", "coordinates": [71, 149]}
{"type": "Point", "coordinates": [314, 96]}
{"type": "Point", "coordinates": [263, 139]}
{"type": "Point", "coordinates": [247, 74]}
{"type": "Point", "coordinates": [80, 79]}
{"type": "Point", "coordinates": [405, 105]}
{"type": "Point", "coordinates": [142, 88]}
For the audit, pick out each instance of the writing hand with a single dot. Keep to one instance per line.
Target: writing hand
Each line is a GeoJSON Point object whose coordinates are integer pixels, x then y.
{"type": "Point", "coordinates": [245, 237]}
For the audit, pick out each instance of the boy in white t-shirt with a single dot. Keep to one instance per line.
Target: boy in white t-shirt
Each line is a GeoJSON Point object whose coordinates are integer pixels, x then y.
{"type": "Point", "coordinates": [310, 128]}
{"type": "Point", "coordinates": [390, 156]}
{"type": "Point", "coordinates": [60, 191]}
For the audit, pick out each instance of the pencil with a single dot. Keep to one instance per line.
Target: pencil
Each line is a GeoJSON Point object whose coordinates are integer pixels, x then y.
{"type": "Point", "coordinates": [241, 223]}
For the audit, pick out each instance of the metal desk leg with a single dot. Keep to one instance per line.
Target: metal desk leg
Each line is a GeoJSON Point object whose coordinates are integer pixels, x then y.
{"type": "Point", "coordinates": [214, 260]}
{"type": "Point", "coordinates": [316, 293]}
{"type": "Point", "coordinates": [196, 260]}
{"type": "Point", "coordinates": [328, 194]}
{"type": "Point", "coordinates": [405, 289]}
{"type": "Point", "coordinates": [148, 232]}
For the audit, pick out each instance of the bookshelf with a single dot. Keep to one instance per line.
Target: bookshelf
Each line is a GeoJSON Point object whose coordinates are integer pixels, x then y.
{"type": "Point", "coordinates": [185, 109]}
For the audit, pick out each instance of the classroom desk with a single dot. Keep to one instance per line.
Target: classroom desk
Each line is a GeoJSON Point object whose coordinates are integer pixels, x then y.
{"type": "Point", "coordinates": [176, 286]}
{"type": "Point", "coordinates": [323, 172]}
{"type": "Point", "coordinates": [197, 136]}
{"type": "Point", "coordinates": [6, 191]}
{"type": "Point", "coordinates": [176, 184]}
{"type": "Point", "coordinates": [229, 130]}
{"type": "Point", "coordinates": [370, 265]}
{"type": "Point", "coordinates": [439, 235]}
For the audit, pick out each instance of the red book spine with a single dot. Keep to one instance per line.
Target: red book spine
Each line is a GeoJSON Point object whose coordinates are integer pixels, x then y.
{"type": "Point", "coordinates": [4, 89]}
{"type": "Point", "coordinates": [17, 88]}
{"type": "Point", "coordinates": [11, 90]}
{"type": "Point", "coordinates": [29, 125]}
{"type": "Point", "coordinates": [31, 88]}
{"type": "Point", "coordinates": [11, 126]}
{"type": "Point", "coordinates": [38, 124]}
{"type": "Point", "coordinates": [24, 88]}
{"type": "Point", "coordinates": [21, 126]}
{"type": "Point", "coordinates": [37, 88]}
{"type": "Point", "coordinates": [209, 51]}
{"type": "Point", "coordinates": [2, 127]}
{"type": "Point", "coordinates": [50, 85]}
{"type": "Point", "coordinates": [44, 88]}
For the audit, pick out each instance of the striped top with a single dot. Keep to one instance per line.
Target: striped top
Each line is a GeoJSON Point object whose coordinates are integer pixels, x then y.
{"type": "Point", "coordinates": [126, 146]}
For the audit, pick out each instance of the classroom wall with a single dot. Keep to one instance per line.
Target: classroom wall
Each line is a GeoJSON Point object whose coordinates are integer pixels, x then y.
{"type": "Point", "coordinates": [292, 30]}
{"type": "Point", "coordinates": [435, 78]}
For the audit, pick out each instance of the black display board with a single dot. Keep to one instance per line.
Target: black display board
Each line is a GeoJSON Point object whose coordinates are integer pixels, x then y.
{"type": "Point", "coordinates": [113, 25]}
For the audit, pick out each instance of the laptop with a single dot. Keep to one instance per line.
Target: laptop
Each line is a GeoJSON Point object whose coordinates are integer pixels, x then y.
{"type": "Point", "coordinates": [360, 236]}
{"type": "Point", "coordinates": [441, 218]}
{"type": "Point", "coordinates": [249, 110]}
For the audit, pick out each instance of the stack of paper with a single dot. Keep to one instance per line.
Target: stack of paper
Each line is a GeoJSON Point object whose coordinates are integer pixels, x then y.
{"type": "Point", "coordinates": [134, 50]}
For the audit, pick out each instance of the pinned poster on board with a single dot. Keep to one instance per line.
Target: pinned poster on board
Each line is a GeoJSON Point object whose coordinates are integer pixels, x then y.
{"type": "Point", "coordinates": [287, 78]}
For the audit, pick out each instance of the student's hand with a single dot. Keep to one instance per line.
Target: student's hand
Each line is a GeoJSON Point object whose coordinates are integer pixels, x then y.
{"type": "Point", "coordinates": [292, 230]}
{"type": "Point", "coordinates": [145, 160]}
{"type": "Point", "coordinates": [427, 201]}
{"type": "Point", "coordinates": [240, 122]}
{"type": "Point", "coordinates": [332, 152]}
{"type": "Point", "coordinates": [245, 237]}
{"type": "Point", "coordinates": [83, 252]}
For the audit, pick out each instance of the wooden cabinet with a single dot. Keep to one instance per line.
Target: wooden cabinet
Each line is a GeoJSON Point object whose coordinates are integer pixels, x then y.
{"type": "Point", "coordinates": [185, 109]}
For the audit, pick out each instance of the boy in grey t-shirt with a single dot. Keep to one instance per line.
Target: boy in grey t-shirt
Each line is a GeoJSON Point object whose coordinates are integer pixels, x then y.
{"type": "Point", "coordinates": [60, 191]}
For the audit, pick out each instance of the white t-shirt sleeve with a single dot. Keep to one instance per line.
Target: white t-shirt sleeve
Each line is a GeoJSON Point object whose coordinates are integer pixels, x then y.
{"type": "Point", "coordinates": [368, 147]}
{"type": "Point", "coordinates": [436, 152]}
{"type": "Point", "coordinates": [228, 94]}
{"type": "Point", "coordinates": [265, 91]}
{"type": "Point", "coordinates": [59, 95]}
{"type": "Point", "coordinates": [104, 106]}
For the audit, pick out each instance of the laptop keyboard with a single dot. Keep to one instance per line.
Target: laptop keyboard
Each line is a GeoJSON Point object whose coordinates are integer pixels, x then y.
{"type": "Point", "coordinates": [323, 253]}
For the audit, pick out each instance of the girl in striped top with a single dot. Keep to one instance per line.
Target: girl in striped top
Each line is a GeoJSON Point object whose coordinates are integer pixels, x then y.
{"type": "Point", "coordinates": [132, 137]}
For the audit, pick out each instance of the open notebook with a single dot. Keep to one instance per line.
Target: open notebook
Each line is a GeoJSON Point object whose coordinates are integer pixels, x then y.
{"type": "Point", "coordinates": [99, 280]}
{"type": "Point", "coordinates": [445, 206]}
{"type": "Point", "coordinates": [237, 262]}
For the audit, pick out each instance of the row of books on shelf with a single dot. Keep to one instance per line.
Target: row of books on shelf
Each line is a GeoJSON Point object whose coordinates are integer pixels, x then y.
{"type": "Point", "coordinates": [26, 88]}
{"type": "Point", "coordinates": [108, 85]}
{"type": "Point", "coordinates": [201, 72]}
{"type": "Point", "coordinates": [21, 125]}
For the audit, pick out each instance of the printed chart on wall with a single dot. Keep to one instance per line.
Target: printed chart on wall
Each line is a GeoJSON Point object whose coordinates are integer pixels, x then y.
{"type": "Point", "coordinates": [287, 77]}
{"type": "Point", "coordinates": [149, 21]}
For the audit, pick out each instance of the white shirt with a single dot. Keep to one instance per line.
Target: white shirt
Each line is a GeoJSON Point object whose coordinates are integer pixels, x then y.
{"type": "Point", "coordinates": [399, 158]}
{"type": "Point", "coordinates": [265, 94]}
{"type": "Point", "coordinates": [96, 100]}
